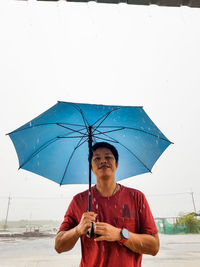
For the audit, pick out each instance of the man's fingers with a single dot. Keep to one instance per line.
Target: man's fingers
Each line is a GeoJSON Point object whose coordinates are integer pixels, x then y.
{"type": "Point", "coordinates": [85, 223]}
{"type": "Point", "coordinates": [100, 227]}
{"type": "Point", "coordinates": [89, 215]}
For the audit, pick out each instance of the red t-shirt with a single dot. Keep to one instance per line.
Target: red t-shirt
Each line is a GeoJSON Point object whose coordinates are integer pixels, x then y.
{"type": "Point", "coordinates": [128, 208]}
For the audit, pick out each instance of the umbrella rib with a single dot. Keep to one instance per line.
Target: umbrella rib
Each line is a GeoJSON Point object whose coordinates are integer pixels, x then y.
{"type": "Point", "coordinates": [130, 128]}
{"type": "Point", "coordinates": [77, 146]}
{"type": "Point", "coordinates": [69, 137]}
{"type": "Point", "coordinates": [81, 112]}
{"type": "Point", "coordinates": [42, 124]}
{"type": "Point", "coordinates": [116, 130]}
{"type": "Point", "coordinates": [115, 141]}
{"type": "Point", "coordinates": [103, 118]}
{"type": "Point", "coordinates": [39, 150]}
{"type": "Point", "coordinates": [76, 131]}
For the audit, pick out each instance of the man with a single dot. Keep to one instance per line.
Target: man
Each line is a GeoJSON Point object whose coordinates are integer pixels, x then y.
{"type": "Point", "coordinates": [123, 223]}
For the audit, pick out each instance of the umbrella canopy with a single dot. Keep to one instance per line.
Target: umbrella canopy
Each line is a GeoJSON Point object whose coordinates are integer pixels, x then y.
{"type": "Point", "coordinates": [172, 3]}
{"type": "Point", "coordinates": [55, 144]}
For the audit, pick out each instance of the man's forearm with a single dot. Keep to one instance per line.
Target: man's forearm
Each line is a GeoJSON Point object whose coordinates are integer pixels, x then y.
{"type": "Point", "coordinates": [143, 243]}
{"type": "Point", "coordinates": [65, 240]}
{"type": "Point", "coordinates": [139, 243]}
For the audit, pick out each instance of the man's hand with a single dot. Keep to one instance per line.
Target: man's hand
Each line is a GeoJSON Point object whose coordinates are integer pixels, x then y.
{"type": "Point", "coordinates": [85, 223]}
{"type": "Point", "coordinates": [107, 232]}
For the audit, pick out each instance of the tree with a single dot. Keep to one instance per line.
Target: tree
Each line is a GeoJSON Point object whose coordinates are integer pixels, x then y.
{"type": "Point", "coordinates": [190, 221]}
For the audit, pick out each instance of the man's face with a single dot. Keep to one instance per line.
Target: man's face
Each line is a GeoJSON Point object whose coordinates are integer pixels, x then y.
{"type": "Point", "coordinates": [103, 163]}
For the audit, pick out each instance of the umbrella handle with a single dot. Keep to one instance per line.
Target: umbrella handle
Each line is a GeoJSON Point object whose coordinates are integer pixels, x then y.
{"type": "Point", "coordinates": [91, 233]}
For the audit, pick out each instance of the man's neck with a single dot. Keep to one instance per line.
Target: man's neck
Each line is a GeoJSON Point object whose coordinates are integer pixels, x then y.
{"type": "Point", "coordinates": [107, 188]}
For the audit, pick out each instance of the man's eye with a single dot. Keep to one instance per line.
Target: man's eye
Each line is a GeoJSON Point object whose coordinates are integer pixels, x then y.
{"type": "Point", "coordinates": [109, 158]}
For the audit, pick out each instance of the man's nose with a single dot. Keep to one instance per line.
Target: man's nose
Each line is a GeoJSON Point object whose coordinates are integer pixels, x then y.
{"type": "Point", "coordinates": [103, 160]}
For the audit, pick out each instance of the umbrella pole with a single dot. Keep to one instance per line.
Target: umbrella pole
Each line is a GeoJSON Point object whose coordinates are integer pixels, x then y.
{"type": "Point", "coordinates": [90, 166]}
{"type": "Point", "coordinates": [91, 233]}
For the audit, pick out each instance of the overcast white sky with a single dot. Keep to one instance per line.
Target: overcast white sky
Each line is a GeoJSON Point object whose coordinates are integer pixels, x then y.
{"type": "Point", "coordinates": [107, 54]}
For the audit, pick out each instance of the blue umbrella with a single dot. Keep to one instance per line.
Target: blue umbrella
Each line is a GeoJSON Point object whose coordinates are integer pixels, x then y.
{"type": "Point", "coordinates": [172, 3]}
{"type": "Point", "coordinates": [56, 144]}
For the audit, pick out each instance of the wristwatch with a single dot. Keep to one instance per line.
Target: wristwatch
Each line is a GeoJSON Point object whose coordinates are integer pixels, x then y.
{"type": "Point", "coordinates": [124, 235]}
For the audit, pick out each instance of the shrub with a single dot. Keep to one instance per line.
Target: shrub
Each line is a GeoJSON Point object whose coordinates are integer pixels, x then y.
{"type": "Point", "coordinates": [190, 221]}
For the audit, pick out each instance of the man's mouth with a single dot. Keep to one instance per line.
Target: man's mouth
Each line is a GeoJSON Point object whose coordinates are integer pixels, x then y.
{"type": "Point", "coordinates": [104, 167]}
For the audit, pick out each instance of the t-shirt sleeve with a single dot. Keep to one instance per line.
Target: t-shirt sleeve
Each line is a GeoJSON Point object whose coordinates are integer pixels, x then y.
{"type": "Point", "coordinates": [70, 220]}
{"type": "Point", "coordinates": [147, 223]}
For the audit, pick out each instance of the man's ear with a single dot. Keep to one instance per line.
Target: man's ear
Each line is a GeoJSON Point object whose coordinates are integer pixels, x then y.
{"type": "Point", "coordinates": [116, 164]}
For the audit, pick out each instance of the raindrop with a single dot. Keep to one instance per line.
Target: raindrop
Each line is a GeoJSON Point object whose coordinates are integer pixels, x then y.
{"type": "Point", "coordinates": [38, 140]}
{"type": "Point", "coordinates": [30, 124]}
{"type": "Point", "coordinates": [156, 141]}
{"type": "Point", "coordinates": [97, 206]}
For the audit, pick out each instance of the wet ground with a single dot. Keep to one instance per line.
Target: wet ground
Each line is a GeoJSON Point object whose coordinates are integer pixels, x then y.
{"type": "Point", "coordinates": [175, 251]}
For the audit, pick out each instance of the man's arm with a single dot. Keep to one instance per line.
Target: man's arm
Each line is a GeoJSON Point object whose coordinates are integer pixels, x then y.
{"type": "Point", "coordinates": [139, 243]}
{"type": "Point", "coordinates": [143, 243]}
{"type": "Point", "coordinates": [65, 240]}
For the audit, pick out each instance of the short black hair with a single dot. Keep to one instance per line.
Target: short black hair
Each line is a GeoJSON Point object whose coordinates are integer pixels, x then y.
{"type": "Point", "coordinates": [108, 146]}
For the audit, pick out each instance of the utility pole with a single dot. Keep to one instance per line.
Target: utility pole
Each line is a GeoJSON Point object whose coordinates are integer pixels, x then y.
{"type": "Point", "coordinates": [5, 225]}
{"type": "Point", "coordinates": [192, 194]}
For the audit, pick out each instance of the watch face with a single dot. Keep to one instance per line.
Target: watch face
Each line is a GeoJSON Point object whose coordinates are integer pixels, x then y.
{"type": "Point", "coordinates": [125, 233]}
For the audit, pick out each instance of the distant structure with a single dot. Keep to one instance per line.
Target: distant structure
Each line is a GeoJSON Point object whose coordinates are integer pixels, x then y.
{"type": "Point", "coordinates": [169, 3]}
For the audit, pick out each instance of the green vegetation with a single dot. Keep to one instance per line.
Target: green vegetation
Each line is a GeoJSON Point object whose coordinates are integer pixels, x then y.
{"type": "Point", "coordinates": [190, 221]}
{"type": "Point", "coordinates": [184, 224]}
{"type": "Point", "coordinates": [165, 227]}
